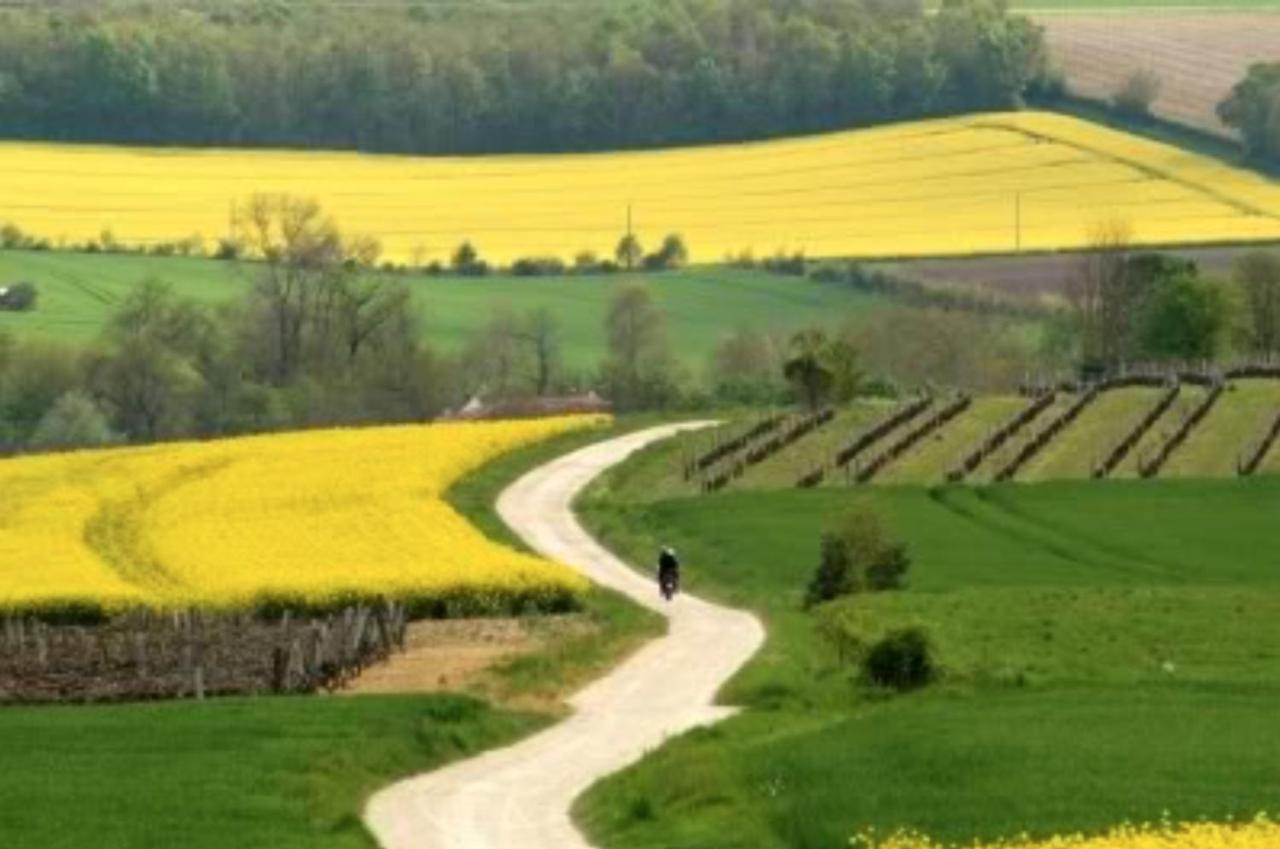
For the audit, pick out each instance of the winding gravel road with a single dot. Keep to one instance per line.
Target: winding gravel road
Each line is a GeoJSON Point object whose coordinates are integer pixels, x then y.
{"type": "Point", "coordinates": [519, 797]}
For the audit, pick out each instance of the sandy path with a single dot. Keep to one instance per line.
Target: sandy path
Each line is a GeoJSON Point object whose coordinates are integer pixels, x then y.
{"type": "Point", "coordinates": [519, 797]}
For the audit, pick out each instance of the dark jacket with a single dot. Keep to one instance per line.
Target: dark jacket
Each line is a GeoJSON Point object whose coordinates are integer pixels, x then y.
{"type": "Point", "coordinates": [668, 565]}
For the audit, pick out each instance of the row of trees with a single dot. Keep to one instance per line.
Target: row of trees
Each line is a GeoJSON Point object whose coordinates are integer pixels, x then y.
{"type": "Point", "coordinates": [1132, 307]}
{"type": "Point", "coordinates": [457, 78]}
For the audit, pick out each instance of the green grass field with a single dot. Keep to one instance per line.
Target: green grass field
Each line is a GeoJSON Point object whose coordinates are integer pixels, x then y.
{"type": "Point", "coordinates": [248, 773]}
{"type": "Point", "coordinates": [1110, 652]}
{"type": "Point", "coordinates": [78, 291]}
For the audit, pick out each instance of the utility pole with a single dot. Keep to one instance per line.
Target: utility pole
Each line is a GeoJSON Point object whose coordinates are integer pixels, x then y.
{"type": "Point", "coordinates": [1017, 221]}
{"type": "Point", "coordinates": [630, 239]}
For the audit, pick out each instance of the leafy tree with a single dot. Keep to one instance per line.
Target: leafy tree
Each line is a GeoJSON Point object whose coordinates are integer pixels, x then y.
{"type": "Point", "coordinates": [74, 421]}
{"type": "Point", "coordinates": [808, 368]}
{"type": "Point", "coordinates": [1253, 108]}
{"type": "Point", "coordinates": [629, 251]}
{"type": "Point", "coordinates": [857, 555]}
{"type": "Point", "coordinates": [1137, 94]}
{"type": "Point", "coordinates": [590, 76]}
{"type": "Point", "coordinates": [466, 260]}
{"type": "Point", "coordinates": [1184, 320]}
{"type": "Point", "coordinates": [672, 254]}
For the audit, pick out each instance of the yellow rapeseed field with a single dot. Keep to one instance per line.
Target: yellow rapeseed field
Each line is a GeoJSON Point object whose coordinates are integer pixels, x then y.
{"type": "Point", "coordinates": [1261, 833]}
{"type": "Point", "coordinates": [314, 516]}
{"type": "Point", "coordinates": [981, 183]}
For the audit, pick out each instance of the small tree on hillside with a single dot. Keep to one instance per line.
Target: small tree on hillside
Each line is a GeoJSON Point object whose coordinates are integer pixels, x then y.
{"type": "Point", "coordinates": [1137, 94]}
{"type": "Point", "coordinates": [629, 251]}
{"type": "Point", "coordinates": [857, 555]}
{"type": "Point", "coordinates": [1258, 276]}
{"type": "Point", "coordinates": [74, 421]}
{"type": "Point", "coordinates": [808, 368]}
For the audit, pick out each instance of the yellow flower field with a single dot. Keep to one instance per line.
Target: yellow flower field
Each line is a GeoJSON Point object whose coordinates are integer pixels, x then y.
{"type": "Point", "coordinates": [311, 516]}
{"type": "Point", "coordinates": [1261, 833]}
{"type": "Point", "coordinates": [980, 183]}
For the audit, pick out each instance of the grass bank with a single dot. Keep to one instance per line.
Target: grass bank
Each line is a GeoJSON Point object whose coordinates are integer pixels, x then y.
{"type": "Point", "coordinates": [1108, 654]}
{"type": "Point", "coordinates": [248, 773]}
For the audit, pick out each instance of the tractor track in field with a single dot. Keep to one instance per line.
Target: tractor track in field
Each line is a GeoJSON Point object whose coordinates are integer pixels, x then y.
{"type": "Point", "coordinates": [521, 796]}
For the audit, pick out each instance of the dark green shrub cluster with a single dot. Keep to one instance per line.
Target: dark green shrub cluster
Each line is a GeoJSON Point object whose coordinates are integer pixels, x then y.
{"type": "Point", "coordinates": [901, 660]}
{"type": "Point", "coordinates": [20, 297]}
{"type": "Point", "coordinates": [857, 555]}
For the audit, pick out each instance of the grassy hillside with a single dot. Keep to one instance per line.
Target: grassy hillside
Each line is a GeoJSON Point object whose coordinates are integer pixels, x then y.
{"type": "Point", "coordinates": [1108, 652]}
{"type": "Point", "coordinates": [1235, 422]}
{"type": "Point", "coordinates": [930, 460]}
{"type": "Point", "coordinates": [77, 291]}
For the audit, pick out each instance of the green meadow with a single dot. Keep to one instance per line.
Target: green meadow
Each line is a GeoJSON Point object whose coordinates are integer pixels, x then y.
{"type": "Point", "coordinates": [1109, 652]}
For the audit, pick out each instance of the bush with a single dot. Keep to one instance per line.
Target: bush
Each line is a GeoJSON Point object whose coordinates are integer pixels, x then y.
{"type": "Point", "coordinates": [857, 556]}
{"type": "Point", "coordinates": [20, 297]}
{"type": "Point", "coordinates": [538, 266]}
{"type": "Point", "coordinates": [901, 660]}
{"type": "Point", "coordinates": [1137, 94]}
{"type": "Point", "coordinates": [467, 261]}
{"type": "Point", "coordinates": [673, 254]}
{"type": "Point", "coordinates": [228, 249]}
{"type": "Point", "coordinates": [782, 263]}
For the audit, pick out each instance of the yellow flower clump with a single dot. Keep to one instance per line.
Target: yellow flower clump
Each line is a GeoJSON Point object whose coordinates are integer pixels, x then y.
{"type": "Point", "coordinates": [1260, 833]}
{"type": "Point", "coordinates": [311, 516]}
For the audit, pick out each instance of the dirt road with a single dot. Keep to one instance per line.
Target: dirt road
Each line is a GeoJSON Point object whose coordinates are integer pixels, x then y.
{"type": "Point", "coordinates": [519, 797]}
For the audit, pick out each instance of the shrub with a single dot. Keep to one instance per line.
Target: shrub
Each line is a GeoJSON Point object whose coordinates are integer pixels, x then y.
{"type": "Point", "coordinates": [900, 660]}
{"type": "Point", "coordinates": [228, 249]}
{"type": "Point", "coordinates": [673, 254]}
{"type": "Point", "coordinates": [467, 261]}
{"type": "Point", "coordinates": [20, 297]}
{"type": "Point", "coordinates": [857, 556]}
{"type": "Point", "coordinates": [538, 266]}
{"type": "Point", "coordinates": [1137, 94]}
{"type": "Point", "coordinates": [782, 263]}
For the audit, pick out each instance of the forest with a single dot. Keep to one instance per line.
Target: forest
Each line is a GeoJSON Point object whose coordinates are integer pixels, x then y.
{"type": "Point", "coordinates": [478, 77]}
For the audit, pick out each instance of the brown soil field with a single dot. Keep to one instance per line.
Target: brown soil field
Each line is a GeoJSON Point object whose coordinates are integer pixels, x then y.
{"type": "Point", "coordinates": [1198, 56]}
{"type": "Point", "coordinates": [1038, 275]}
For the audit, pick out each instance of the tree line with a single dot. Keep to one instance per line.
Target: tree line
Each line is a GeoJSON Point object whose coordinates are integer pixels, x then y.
{"type": "Point", "coordinates": [420, 78]}
{"type": "Point", "coordinates": [1132, 307]}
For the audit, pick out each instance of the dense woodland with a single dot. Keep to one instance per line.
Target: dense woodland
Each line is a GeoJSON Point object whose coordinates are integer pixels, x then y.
{"type": "Point", "coordinates": [475, 77]}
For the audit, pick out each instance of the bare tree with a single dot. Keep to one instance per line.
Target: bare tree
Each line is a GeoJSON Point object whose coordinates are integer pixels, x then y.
{"type": "Point", "coordinates": [1258, 274]}
{"type": "Point", "coordinates": [318, 300]}
{"type": "Point", "coordinates": [540, 333]}
{"type": "Point", "coordinates": [638, 371]}
{"type": "Point", "coordinates": [1103, 297]}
